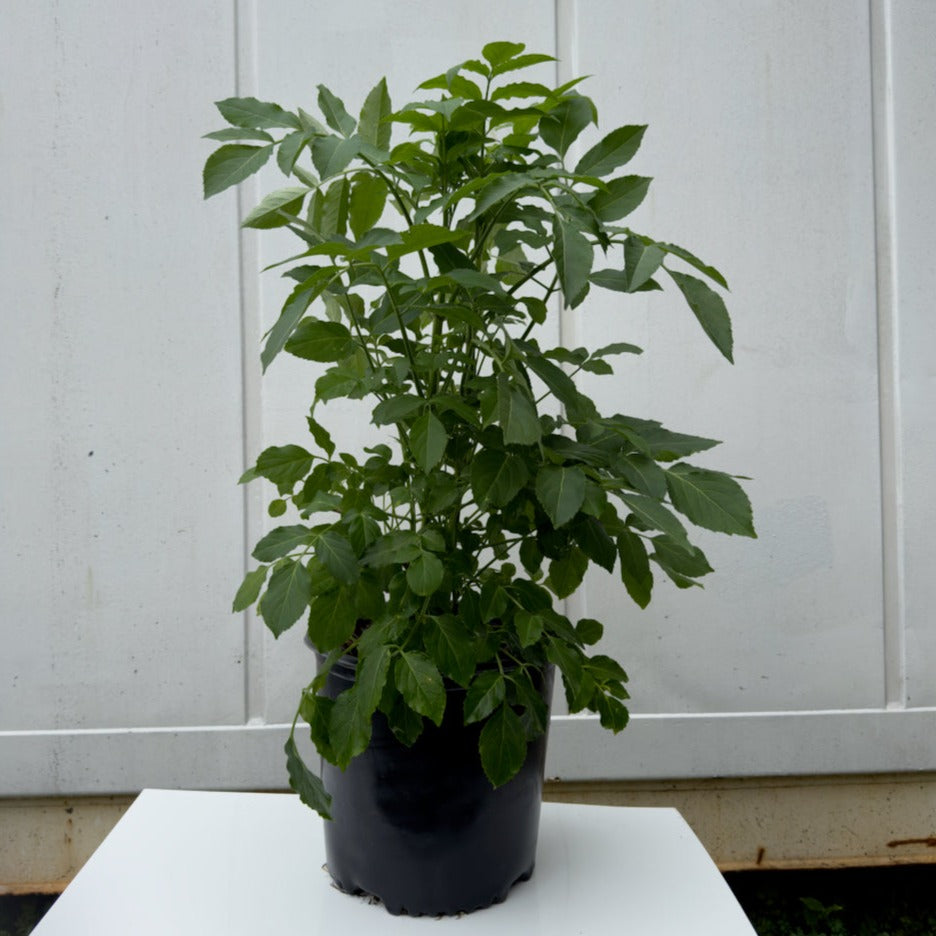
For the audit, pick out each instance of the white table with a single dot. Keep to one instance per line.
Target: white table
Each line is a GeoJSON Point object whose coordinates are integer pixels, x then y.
{"type": "Point", "coordinates": [181, 863]}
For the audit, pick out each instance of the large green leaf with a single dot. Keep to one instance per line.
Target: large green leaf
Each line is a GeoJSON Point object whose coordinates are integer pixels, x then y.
{"type": "Point", "coordinates": [487, 690]}
{"type": "Point", "coordinates": [258, 115]}
{"type": "Point", "coordinates": [567, 573]}
{"type": "Point", "coordinates": [709, 308]}
{"type": "Point", "coordinates": [293, 309]}
{"type": "Point", "coordinates": [422, 236]}
{"type": "Point", "coordinates": [635, 567]}
{"type": "Point", "coordinates": [499, 52]}
{"type": "Point", "coordinates": [561, 492]}
{"type": "Point", "coordinates": [335, 552]}
{"type": "Point", "coordinates": [286, 597]}
{"type": "Point", "coordinates": [503, 745]}
{"type": "Point", "coordinates": [424, 574]}
{"type": "Point", "coordinates": [652, 514]}
{"type": "Point", "coordinates": [335, 114]}
{"type": "Point", "coordinates": [314, 340]}
{"type": "Point", "coordinates": [332, 154]}
{"type": "Point", "coordinates": [331, 620]}
{"type": "Point", "coordinates": [231, 164]}
{"type": "Point", "coordinates": [497, 476]}
{"type": "Point", "coordinates": [271, 210]}
{"type": "Point", "coordinates": [620, 198]}
{"type": "Point", "coordinates": [641, 261]}
{"type": "Point", "coordinates": [497, 189]}
{"type": "Point", "coordinates": [397, 408]}
{"type": "Point", "coordinates": [368, 197]}
{"type": "Point", "coordinates": [249, 589]}
{"type": "Point", "coordinates": [428, 439]}
{"type": "Point", "coordinates": [614, 150]}
{"type": "Point", "coordinates": [516, 413]}
{"type": "Point", "coordinates": [310, 788]}
{"type": "Point", "coordinates": [710, 499]}
{"type": "Point", "coordinates": [281, 541]}
{"type": "Point", "coordinates": [594, 541]}
{"type": "Point", "coordinates": [374, 126]}
{"type": "Point", "coordinates": [574, 256]}
{"type": "Point", "coordinates": [399, 546]}
{"type": "Point", "coordinates": [451, 648]}
{"type": "Point", "coordinates": [284, 464]}
{"type": "Point", "coordinates": [349, 726]}
{"type": "Point", "coordinates": [420, 684]}
{"type": "Point", "coordinates": [563, 124]}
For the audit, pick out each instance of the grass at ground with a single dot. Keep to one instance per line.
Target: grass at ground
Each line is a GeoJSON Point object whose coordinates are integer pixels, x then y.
{"type": "Point", "coordinates": [896, 901]}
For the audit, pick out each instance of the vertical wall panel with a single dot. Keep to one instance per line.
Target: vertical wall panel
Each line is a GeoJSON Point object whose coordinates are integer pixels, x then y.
{"type": "Point", "coordinates": [760, 145]}
{"type": "Point", "coordinates": [120, 415]}
{"type": "Point", "coordinates": [913, 102]}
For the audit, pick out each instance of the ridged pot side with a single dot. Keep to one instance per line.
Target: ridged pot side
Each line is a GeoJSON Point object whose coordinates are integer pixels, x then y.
{"type": "Point", "coordinates": [421, 828]}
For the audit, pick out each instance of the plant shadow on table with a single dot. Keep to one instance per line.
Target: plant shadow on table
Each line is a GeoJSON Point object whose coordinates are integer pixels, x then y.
{"type": "Point", "coordinates": [894, 901]}
{"type": "Point", "coordinates": [20, 914]}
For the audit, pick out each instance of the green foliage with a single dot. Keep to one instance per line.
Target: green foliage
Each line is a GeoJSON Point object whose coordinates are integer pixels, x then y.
{"type": "Point", "coordinates": [426, 267]}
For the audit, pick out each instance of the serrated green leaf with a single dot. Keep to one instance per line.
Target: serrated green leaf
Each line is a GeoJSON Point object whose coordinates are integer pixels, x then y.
{"type": "Point", "coordinates": [451, 648]}
{"type": "Point", "coordinates": [310, 788]}
{"type": "Point", "coordinates": [423, 236]}
{"type": "Point", "coordinates": [612, 151]}
{"type": "Point", "coordinates": [694, 261]}
{"type": "Point", "coordinates": [680, 566]}
{"type": "Point", "coordinates": [420, 684]}
{"type": "Point", "coordinates": [589, 631]}
{"type": "Point", "coordinates": [286, 597]}
{"type": "Point", "coordinates": [516, 413]}
{"type": "Point", "coordinates": [529, 627]}
{"type": "Point", "coordinates": [642, 473]}
{"type": "Point", "coordinates": [314, 340]}
{"type": "Point", "coordinates": [284, 464]}
{"type": "Point", "coordinates": [574, 256]}
{"type": "Point", "coordinates": [331, 620]}
{"type": "Point", "coordinates": [281, 541]}
{"type": "Point", "coordinates": [289, 149]}
{"type": "Point", "coordinates": [349, 726]}
{"type": "Point", "coordinates": [231, 164]}
{"type": "Point", "coordinates": [641, 261]}
{"type": "Point", "coordinates": [710, 499]}
{"type": "Point", "coordinates": [397, 547]}
{"type": "Point", "coordinates": [594, 541]}
{"type": "Point", "coordinates": [561, 492]}
{"type": "Point", "coordinates": [428, 439]}
{"type": "Point", "coordinates": [368, 197]}
{"type": "Point", "coordinates": [331, 154]}
{"type": "Point", "coordinates": [397, 408]}
{"type": "Point", "coordinates": [258, 115]}
{"type": "Point", "coordinates": [374, 126]}
{"type": "Point", "coordinates": [487, 690]}
{"type": "Point", "coordinates": [249, 589]}
{"type": "Point", "coordinates": [321, 435]}
{"type": "Point", "coordinates": [499, 52]}
{"type": "Point", "coordinates": [293, 309]}
{"type": "Point", "coordinates": [655, 516]}
{"type": "Point", "coordinates": [503, 746]}
{"type": "Point", "coordinates": [709, 308]}
{"type": "Point", "coordinates": [563, 124]}
{"type": "Point", "coordinates": [635, 567]}
{"type": "Point", "coordinates": [335, 552]}
{"type": "Point", "coordinates": [424, 574]}
{"type": "Point", "coordinates": [620, 198]}
{"type": "Point", "coordinates": [567, 573]}
{"type": "Point", "coordinates": [269, 213]}
{"type": "Point", "coordinates": [334, 111]}
{"type": "Point", "coordinates": [497, 476]}
{"type": "Point", "coordinates": [239, 133]}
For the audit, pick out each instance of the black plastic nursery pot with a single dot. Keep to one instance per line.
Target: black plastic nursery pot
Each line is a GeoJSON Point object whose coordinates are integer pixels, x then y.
{"type": "Point", "coordinates": [421, 828]}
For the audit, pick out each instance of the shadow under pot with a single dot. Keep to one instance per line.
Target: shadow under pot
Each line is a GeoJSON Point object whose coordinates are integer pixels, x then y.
{"type": "Point", "coordinates": [421, 828]}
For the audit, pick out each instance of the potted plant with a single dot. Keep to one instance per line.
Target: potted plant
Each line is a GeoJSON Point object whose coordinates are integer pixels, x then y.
{"type": "Point", "coordinates": [427, 566]}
